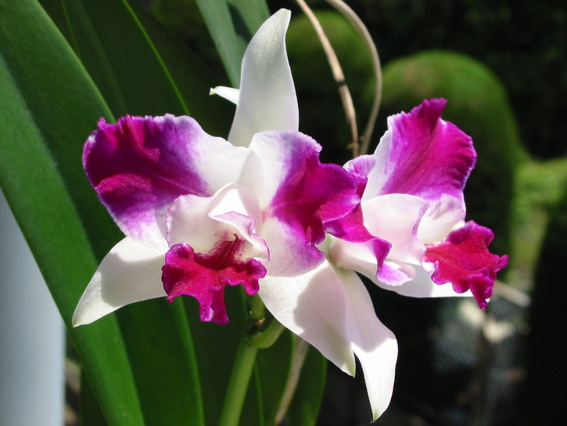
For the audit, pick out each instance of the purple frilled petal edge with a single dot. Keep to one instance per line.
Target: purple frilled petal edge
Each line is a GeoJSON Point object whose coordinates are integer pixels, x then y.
{"type": "Point", "coordinates": [464, 260]}
{"type": "Point", "coordinates": [205, 276]}
{"type": "Point", "coordinates": [421, 154]}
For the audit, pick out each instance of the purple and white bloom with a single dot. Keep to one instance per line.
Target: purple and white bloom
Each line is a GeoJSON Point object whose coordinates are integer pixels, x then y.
{"type": "Point", "coordinates": [200, 213]}
{"type": "Point", "coordinates": [412, 197]}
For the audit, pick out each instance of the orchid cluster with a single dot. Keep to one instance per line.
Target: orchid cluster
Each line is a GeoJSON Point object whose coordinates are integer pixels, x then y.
{"type": "Point", "coordinates": [260, 210]}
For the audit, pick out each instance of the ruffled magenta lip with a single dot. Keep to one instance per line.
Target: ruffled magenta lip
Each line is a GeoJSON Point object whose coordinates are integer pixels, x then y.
{"type": "Point", "coordinates": [464, 260]}
{"type": "Point", "coordinates": [204, 276]}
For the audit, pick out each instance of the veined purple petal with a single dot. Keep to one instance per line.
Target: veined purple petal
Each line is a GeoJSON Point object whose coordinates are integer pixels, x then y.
{"type": "Point", "coordinates": [300, 196]}
{"type": "Point", "coordinates": [422, 155]}
{"type": "Point", "coordinates": [205, 276]}
{"type": "Point", "coordinates": [141, 164]}
{"type": "Point", "coordinates": [351, 226]}
{"type": "Point", "coordinates": [464, 261]}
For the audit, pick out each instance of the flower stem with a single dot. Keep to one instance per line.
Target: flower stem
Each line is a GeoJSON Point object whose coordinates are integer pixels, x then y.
{"type": "Point", "coordinates": [346, 98]}
{"type": "Point", "coordinates": [268, 337]}
{"type": "Point", "coordinates": [359, 26]}
{"type": "Point", "coordinates": [238, 384]}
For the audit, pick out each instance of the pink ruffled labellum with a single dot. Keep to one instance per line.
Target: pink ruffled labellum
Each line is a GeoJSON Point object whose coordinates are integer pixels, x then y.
{"type": "Point", "coordinates": [205, 276]}
{"type": "Point", "coordinates": [463, 260]}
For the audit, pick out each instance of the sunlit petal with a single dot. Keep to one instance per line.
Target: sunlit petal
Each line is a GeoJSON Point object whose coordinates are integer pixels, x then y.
{"type": "Point", "coordinates": [313, 306]}
{"type": "Point", "coordinates": [394, 218]}
{"type": "Point", "coordinates": [373, 344]}
{"type": "Point", "coordinates": [422, 155]}
{"type": "Point", "coordinates": [130, 272]}
{"type": "Point", "coordinates": [229, 93]}
{"type": "Point", "coordinates": [267, 99]}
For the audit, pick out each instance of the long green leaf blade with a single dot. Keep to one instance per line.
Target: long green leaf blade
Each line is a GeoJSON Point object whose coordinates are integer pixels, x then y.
{"type": "Point", "coordinates": [46, 100]}
{"type": "Point", "coordinates": [157, 337]}
{"type": "Point", "coordinates": [304, 408]}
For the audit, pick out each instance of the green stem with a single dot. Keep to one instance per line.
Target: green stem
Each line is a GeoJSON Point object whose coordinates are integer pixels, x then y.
{"type": "Point", "coordinates": [238, 384]}
{"type": "Point", "coordinates": [268, 337]}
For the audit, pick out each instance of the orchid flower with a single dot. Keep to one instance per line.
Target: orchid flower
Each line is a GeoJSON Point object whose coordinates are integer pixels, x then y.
{"type": "Point", "coordinates": [412, 197]}
{"type": "Point", "coordinates": [200, 213]}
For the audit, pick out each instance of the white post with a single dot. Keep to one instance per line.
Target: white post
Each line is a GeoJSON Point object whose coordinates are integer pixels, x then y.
{"type": "Point", "coordinates": [32, 337]}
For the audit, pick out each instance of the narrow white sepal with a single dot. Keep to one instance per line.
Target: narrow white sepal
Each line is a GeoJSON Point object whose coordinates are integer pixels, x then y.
{"type": "Point", "coordinates": [374, 345]}
{"type": "Point", "coordinates": [267, 99]}
{"type": "Point", "coordinates": [229, 93]}
{"type": "Point", "coordinates": [130, 272]}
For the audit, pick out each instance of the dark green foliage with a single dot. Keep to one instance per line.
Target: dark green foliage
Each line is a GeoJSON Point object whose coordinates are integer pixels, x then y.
{"type": "Point", "coordinates": [321, 114]}
{"type": "Point", "coordinates": [547, 371]}
{"type": "Point", "coordinates": [522, 41]}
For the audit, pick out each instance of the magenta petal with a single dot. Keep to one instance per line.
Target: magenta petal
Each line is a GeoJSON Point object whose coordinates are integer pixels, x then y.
{"type": "Point", "coordinates": [423, 155]}
{"type": "Point", "coordinates": [306, 193]}
{"type": "Point", "coordinates": [205, 276]}
{"type": "Point", "coordinates": [140, 165]}
{"type": "Point", "coordinates": [351, 226]}
{"type": "Point", "coordinates": [463, 260]}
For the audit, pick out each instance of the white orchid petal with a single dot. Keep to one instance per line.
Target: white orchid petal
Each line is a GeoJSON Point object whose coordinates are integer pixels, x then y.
{"type": "Point", "coordinates": [130, 272]}
{"type": "Point", "coordinates": [267, 98]}
{"type": "Point", "coordinates": [441, 217]}
{"type": "Point", "coordinates": [188, 221]}
{"type": "Point", "coordinates": [394, 218]}
{"type": "Point", "coordinates": [358, 257]}
{"type": "Point", "coordinates": [312, 306]}
{"type": "Point", "coordinates": [374, 345]}
{"type": "Point", "coordinates": [201, 221]}
{"type": "Point", "coordinates": [229, 93]}
{"type": "Point", "coordinates": [422, 286]}
{"type": "Point", "coordinates": [394, 274]}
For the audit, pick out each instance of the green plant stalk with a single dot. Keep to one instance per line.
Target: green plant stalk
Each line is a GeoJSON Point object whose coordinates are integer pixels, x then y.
{"type": "Point", "coordinates": [268, 337]}
{"type": "Point", "coordinates": [238, 384]}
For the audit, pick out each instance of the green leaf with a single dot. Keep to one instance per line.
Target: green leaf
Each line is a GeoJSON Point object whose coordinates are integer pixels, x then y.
{"type": "Point", "coordinates": [44, 73]}
{"type": "Point", "coordinates": [274, 366]}
{"type": "Point", "coordinates": [160, 348]}
{"type": "Point", "coordinates": [232, 23]}
{"type": "Point", "coordinates": [138, 66]}
{"type": "Point", "coordinates": [47, 105]}
{"type": "Point", "coordinates": [306, 401]}
{"type": "Point", "coordinates": [89, 410]}
{"type": "Point", "coordinates": [215, 349]}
